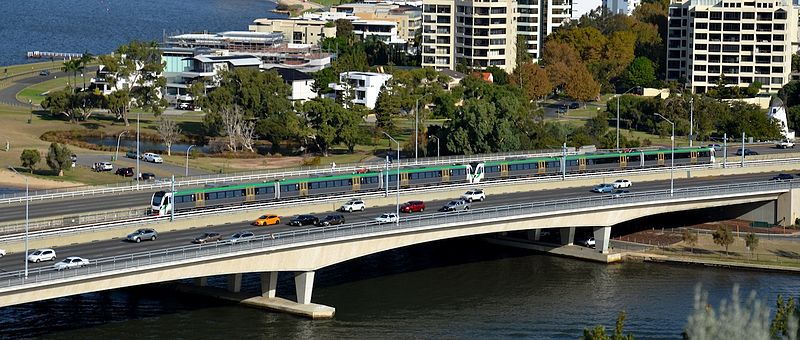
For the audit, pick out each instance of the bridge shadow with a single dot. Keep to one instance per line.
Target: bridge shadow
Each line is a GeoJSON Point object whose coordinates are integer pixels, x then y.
{"type": "Point", "coordinates": [787, 254]}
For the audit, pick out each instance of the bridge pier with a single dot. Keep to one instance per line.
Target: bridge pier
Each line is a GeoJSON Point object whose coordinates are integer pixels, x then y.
{"type": "Point", "coordinates": [788, 207]}
{"type": "Point", "coordinates": [269, 284]}
{"type": "Point", "coordinates": [535, 234]}
{"type": "Point", "coordinates": [235, 283]}
{"type": "Point", "coordinates": [567, 236]}
{"type": "Point", "coordinates": [602, 236]}
{"type": "Point", "coordinates": [304, 284]}
{"type": "Point", "coordinates": [201, 281]}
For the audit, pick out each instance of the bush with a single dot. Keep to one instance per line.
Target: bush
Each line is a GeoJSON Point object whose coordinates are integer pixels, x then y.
{"type": "Point", "coordinates": [29, 158]}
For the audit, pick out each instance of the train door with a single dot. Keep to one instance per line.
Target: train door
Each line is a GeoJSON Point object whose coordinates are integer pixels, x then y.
{"type": "Point", "coordinates": [661, 158]}
{"type": "Point", "coordinates": [581, 164]}
{"type": "Point", "coordinates": [356, 183]}
{"type": "Point", "coordinates": [303, 188]}
{"type": "Point", "coordinates": [541, 167]}
{"type": "Point", "coordinates": [199, 200]}
{"type": "Point", "coordinates": [503, 170]}
{"type": "Point", "coordinates": [623, 161]}
{"type": "Point", "coordinates": [404, 179]}
{"type": "Point", "coordinates": [167, 203]}
{"type": "Point", "coordinates": [641, 159]}
{"type": "Point", "coordinates": [446, 175]}
{"type": "Point", "coordinates": [693, 156]}
{"type": "Point", "coordinates": [475, 172]}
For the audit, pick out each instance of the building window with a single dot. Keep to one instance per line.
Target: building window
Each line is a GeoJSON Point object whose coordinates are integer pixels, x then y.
{"type": "Point", "coordinates": [777, 37]}
{"type": "Point", "coordinates": [701, 25]}
{"type": "Point", "coordinates": [713, 69]}
{"type": "Point", "coordinates": [699, 57]}
{"type": "Point", "coordinates": [748, 15]}
{"type": "Point", "coordinates": [701, 15]}
{"type": "Point", "coordinates": [715, 16]}
{"type": "Point", "coordinates": [780, 15]}
{"type": "Point", "coordinates": [699, 78]}
{"type": "Point", "coordinates": [699, 67]}
{"type": "Point", "coordinates": [732, 15]}
{"type": "Point", "coordinates": [715, 27]}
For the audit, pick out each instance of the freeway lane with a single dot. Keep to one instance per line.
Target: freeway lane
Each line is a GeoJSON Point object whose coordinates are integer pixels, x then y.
{"type": "Point", "coordinates": [139, 200]}
{"type": "Point", "coordinates": [167, 239]}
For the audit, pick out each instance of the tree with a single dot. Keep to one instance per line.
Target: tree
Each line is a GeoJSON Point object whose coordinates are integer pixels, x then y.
{"type": "Point", "coordinates": [331, 123]}
{"type": "Point", "coordinates": [59, 158]}
{"type": "Point", "coordinates": [29, 158]}
{"type": "Point", "coordinates": [785, 312]}
{"type": "Point", "coordinates": [71, 65]}
{"type": "Point", "coordinates": [74, 106]}
{"type": "Point", "coordinates": [640, 73]}
{"type": "Point", "coordinates": [84, 61]}
{"type": "Point", "coordinates": [499, 76]}
{"type": "Point", "coordinates": [599, 331]}
{"type": "Point", "coordinates": [581, 86]}
{"type": "Point", "coordinates": [137, 69]}
{"type": "Point", "coordinates": [723, 237]}
{"type": "Point", "coordinates": [523, 57]}
{"type": "Point", "coordinates": [533, 80]}
{"type": "Point", "coordinates": [232, 119]}
{"type": "Point", "coordinates": [169, 131]}
{"type": "Point", "coordinates": [731, 320]}
{"type": "Point", "coordinates": [689, 238]}
{"type": "Point", "coordinates": [751, 241]}
{"type": "Point", "coordinates": [387, 106]}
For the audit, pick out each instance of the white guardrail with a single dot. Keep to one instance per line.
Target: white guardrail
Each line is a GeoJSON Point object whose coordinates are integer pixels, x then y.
{"type": "Point", "coordinates": [73, 224]}
{"type": "Point", "coordinates": [319, 235]}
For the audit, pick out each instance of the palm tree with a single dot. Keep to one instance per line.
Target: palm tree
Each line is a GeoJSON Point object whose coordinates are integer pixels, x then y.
{"type": "Point", "coordinates": [71, 66]}
{"type": "Point", "coordinates": [84, 61]}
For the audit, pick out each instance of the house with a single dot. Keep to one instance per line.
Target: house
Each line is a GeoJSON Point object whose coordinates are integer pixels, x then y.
{"type": "Point", "coordinates": [204, 68]}
{"type": "Point", "coordinates": [365, 86]}
{"type": "Point", "coordinates": [302, 83]}
{"type": "Point", "coordinates": [485, 76]}
{"type": "Point", "coordinates": [777, 111]}
{"type": "Point", "coordinates": [455, 78]}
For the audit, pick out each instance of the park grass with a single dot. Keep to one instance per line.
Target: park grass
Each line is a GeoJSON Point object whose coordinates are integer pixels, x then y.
{"type": "Point", "coordinates": [32, 67]}
{"type": "Point", "coordinates": [37, 92]}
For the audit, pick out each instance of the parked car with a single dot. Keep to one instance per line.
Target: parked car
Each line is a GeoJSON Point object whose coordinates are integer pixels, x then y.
{"type": "Point", "coordinates": [142, 234]}
{"type": "Point", "coordinates": [269, 219]}
{"type": "Point", "coordinates": [71, 262]}
{"type": "Point", "coordinates": [304, 220]}
{"type": "Point", "coordinates": [783, 177]}
{"type": "Point", "coordinates": [413, 206]}
{"type": "Point", "coordinates": [125, 172]}
{"type": "Point", "coordinates": [622, 183]}
{"type": "Point", "coordinates": [590, 242]}
{"type": "Point", "coordinates": [474, 195]}
{"type": "Point", "coordinates": [747, 152]}
{"type": "Point", "coordinates": [386, 218]}
{"type": "Point", "coordinates": [131, 154]}
{"type": "Point", "coordinates": [44, 72]}
{"type": "Point", "coordinates": [716, 147]}
{"type": "Point", "coordinates": [619, 193]}
{"type": "Point", "coordinates": [785, 144]}
{"type": "Point", "coordinates": [152, 157]}
{"type": "Point", "coordinates": [241, 237]}
{"type": "Point", "coordinates": [455, 205]}
{"type": "Point", "coordinates": [104, 166]}
{"type": "Point", "coordinates": [334, 219]}
{"type": "Point", "coordinates": [42, 255]}
{"type": "Point", "coordinates": [207, 237]}
{"type": "Point", "coordinates": [2, 252]}
{"type": "Point", "coordinates": [184, 106]}
{"type": "Point", "coordinates": [353, 205]}
{"type": "Point", "coordinates": [146, 176]}
{"type": "Point", "coordinates": [603, 188]}
{"type": "Point", "coordinates": [574, 105]}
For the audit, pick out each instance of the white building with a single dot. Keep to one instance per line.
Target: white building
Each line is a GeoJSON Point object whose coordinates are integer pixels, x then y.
{"type": "Point", "coordinates": [581, 7]}
{"type": "Point", "coordinates": [621, 6]}
{"type": "Point", "coordinates": [206, 68]}
{"type": "Point", "coordinates": [384, 31]}
{"type": "Point", "coordinates": [537, 19]}
{"type": "Point", "coordinates": [365, 86]}
{"type": "Point", "coordinates": [744, 41]}
{"type": "Point", "coordinates": [302, 84]}
{"type": "Point", "coordinates": [777, 111]}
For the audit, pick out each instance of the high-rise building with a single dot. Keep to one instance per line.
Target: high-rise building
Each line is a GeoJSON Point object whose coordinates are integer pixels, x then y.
{"type": "Point", "coordinates": [621, 6]}
{"type": "Point", "coordinates": [476, 34]}
{"type": "Point", "coordinates": [538, 18]}
{"type": "Point", "coordinates": [744, 41]}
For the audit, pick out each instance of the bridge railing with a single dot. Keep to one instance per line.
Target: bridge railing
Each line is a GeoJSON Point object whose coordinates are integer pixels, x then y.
{"type": "Point", "coordinates": [187, 254]}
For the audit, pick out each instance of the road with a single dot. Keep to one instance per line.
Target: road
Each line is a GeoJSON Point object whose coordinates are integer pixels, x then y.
{"type": "Point", "coordinates": [162, 170]}
{"type": "Point", "coordinates": [109, 248]}
{"type": "Point", "coordinates": [58, 208]}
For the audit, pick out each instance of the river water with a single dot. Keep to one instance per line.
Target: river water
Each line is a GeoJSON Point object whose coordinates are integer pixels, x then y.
{"type": "Point", "coordinates": [458, 289]}
{"type": "Point", "coordinates": [100, 26]}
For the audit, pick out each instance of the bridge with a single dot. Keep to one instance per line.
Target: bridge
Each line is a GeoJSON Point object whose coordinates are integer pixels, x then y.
{"type": "Point", "coordinates": [304, 251]}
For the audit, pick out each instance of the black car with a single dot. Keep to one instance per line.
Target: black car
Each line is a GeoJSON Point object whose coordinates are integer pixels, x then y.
{"type": "Point", "coordinates": [574, 105]}
{"type": "Point", "coordinates": [126, 172]}
{"type": "Point", "coordinates": [44, 72]}
{"type": "Point", "coordinates": [302, 220]}
{"type": "Point", "coordinates": [331, 220]}
{"type": "Point", "coordinates": [783, 177]}
{"type": "Point", "coordinates": [148, 176]}
{"type": "Point", "coordinates": [747, 152]}
{"type": "Point", "coordinates": [131, 154]}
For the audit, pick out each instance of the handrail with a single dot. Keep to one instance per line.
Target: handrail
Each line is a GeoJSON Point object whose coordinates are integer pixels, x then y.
{"type": "Point", "coordinates": [319, 235]}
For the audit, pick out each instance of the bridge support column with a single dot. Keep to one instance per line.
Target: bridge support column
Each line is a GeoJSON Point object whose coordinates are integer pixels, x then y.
{"type": "Point", "coordinates": [602, 236]}
{"type": "Point", "coordinates": [304, 284]}
{"type": "Point", "coordinates": [535, 234]}
{"type": "Point", "coordinates": [788, 207]}
{"type": "Point", "coordinates": [201, 281]}
{"type": "Point", "coordinates": [235, 283]}
{"type": "Point", "coordinates": [567, 236]}
{"type": "Point", "coordinates": [269, 284]}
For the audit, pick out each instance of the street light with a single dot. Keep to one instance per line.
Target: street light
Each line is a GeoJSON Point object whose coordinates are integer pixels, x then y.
{"type": "Point", "coordinates": [437, 146]}
{"type": "Point", "coordinates": [138, 156]}
{"type": "Point", "coordinates": [187, 159]}
{"type": "Point", "coordinates": [397, 212]}
{"type": "Point", "coordinates": [620, 95]}
{"type": "Point", "coordinates": [30, 118]}
{"type": "Point", "coordinates": [116, 153]}
{"type": "Point", "coordinates": [691, 121]}
{"type": "Point", "coordinates": [672, 156]}
{"type": "Point", "coordinates": [27, 200]}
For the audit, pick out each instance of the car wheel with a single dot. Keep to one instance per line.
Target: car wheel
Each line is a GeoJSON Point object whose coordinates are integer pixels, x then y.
{"type": "Point", "coordinates": [421, 209]}
{"type": "Point", "coordinates": [466, 208]}
{"type": "Point", "coordinates": [137, 240]}
{"type": "Point", "coordinates": [362, 208]}
{"type": "Point", "coordinates": [350, 209]}
{"type": "Point", "coordinates": [153, 238]}
{"type": "Point", "coordinates": [482, 198]}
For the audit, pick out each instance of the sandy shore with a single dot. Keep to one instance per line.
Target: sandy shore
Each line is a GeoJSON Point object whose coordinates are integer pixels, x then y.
{"type": "Point", "coordinates": [306, 4]}
{"type": "Point", "coordinates": [8, 179]}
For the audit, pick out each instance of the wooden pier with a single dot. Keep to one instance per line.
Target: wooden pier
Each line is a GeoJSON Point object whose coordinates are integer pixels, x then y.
{"type": "Point", "coordinates": [54, 55]}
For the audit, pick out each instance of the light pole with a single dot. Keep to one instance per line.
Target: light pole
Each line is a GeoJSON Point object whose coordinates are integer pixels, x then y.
{"type": "Point", "coordinates": [116, 153]}
{"type": "Point", "coordinates": [437, 146]}
{"type": "Point", "coordinates": [30, 118]}
{"type": "Point", "coordinates": [672, 156]}
{"type": "Point", "coordinates": [27, 200]}
{"type": "Point", "coordinates": [691, 121]}
{"type": "Point", "coordinates": [138, 156]}
{"type": "Point", "coordinates": [620, 95]}
{"type": "Point", "coordinates": [187, 159]}
{"type": "Point", "coordinates": [397, 212]}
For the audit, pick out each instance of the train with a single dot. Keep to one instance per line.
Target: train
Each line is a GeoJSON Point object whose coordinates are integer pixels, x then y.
{"type": "Point", "coordinates": [476, 172]}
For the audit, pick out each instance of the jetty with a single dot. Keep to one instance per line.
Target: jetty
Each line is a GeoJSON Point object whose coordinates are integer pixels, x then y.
{"type": "Point", "coordinates": [54, 55]}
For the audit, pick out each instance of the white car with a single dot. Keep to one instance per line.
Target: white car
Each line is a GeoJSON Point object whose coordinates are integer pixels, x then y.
{"type": "Point", "coordinates": [105, 166]}
{"type": "Point", "coordinates": [386, 218]}
{"type": "Point", "coordinates": [71, 262]}
{"type": "Point", "coordinates": [153, 158]}
{"type": "Point", "coordinates": [42, 255]}
{"type": "Point", "coordinates": [241, 237]}
{"type": "Point", "coordinates": [474, 195]}
{"type": "Point", "coordinates": [622, 183]}
{"type": "Point", "coordinates": [353, 205]}
{"type": "Point", "coordinates": [589, 242]}
{"type": "Point", "coordinates": [2, 252]}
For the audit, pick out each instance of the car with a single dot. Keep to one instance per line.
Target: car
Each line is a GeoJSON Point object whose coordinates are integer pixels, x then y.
{"type": "Point", "coordinates": [302, 220]}
{"type": "Point", "coordinates": [716, 147]}
{"type": "Point", "coordinates": [474, 195]}
{"type": "Point", "coordinates": [184, 106]}
{"type": "Point", "coordinates": [152, 157]}
{"type": "Point", "coordinates": [125, 172]}
{"type": "Point", "coordinates": [334, 219]}
{"type": "Point", "coordinates": [269, 219]}
{"type": "Point", "coordinates": [747, 152]}
{"type": "Point", "coordinates": [590, 242]}
{"type": "Point", "coordinates": [413, 206]}
{"type": "Point", "coordinates": [2, 252]}
{"type": "Point", "coordinates": [622, 183]}
{"type": "Point", "coordinates": [619, 193]}
{"type": "Point", "coordinates": [783, 177]}
{"type": "Point", "coordinates": [241, 237]}
{"type": "Point", "coordinates": [104, 166]}
{"type": "Point", "coordinates": [131, 154]}
{"type": "Point", "coordinates": [71, 262]}
{"type": "Point", "coordinates": [574, 105]}
{"type": "Point", "coordinates": [353, 205]}
{"type": "Point", "coordinates": [146, 176]}
{"type": "Point", "coordinates": [603, 188]}
{"type": "Point", "coordinates": [207, 237]}
{"type": "Point", "coordinates": [42, 255]}
{"type": "Point", "coordinates": [387, 218]}
{"type": "Point", "coordinates": [142, 234]}
{"type": "Point", "coordinates": [44, 72]}
{"type": "Point", "coordinates": [785, 144]}
{"type": "Point", "coordinates": [455, 205]}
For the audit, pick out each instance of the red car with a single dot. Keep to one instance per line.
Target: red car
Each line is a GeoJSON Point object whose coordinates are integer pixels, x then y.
{"type": "Point", "coordinates": [412, 206]}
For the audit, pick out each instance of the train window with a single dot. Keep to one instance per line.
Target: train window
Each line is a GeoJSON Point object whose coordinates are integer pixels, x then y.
{"type": "Point", "coordinates": [205, 196]}
{"type": "Point", "coordinates": [211, 195]}
{"type": "Point", "coordinates": [244, 192]}
{"type": "Point", "coordinates": [230, 194]}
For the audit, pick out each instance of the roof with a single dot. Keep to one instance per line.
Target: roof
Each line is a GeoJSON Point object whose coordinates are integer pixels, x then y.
{"type": "Point", "coordinates": [453, 74]}
{"type": "Point", "coordinates": [235, 60]}
{"type": "Point", "coordinates": [290, 75]}
{"type": "Point", "coordinates": [776, 102]}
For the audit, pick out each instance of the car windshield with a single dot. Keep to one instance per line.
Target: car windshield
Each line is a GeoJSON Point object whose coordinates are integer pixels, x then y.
{"type": "Point", "coordinates": [37, 253]}
{"type": "Point", "coordinates": [385, 216]}
{"type": "Point", "coordinates": [157, 197]}
{"type": "Point", "coordinates": [452, 203]}
{"type": "Point", "coordinates": [262, 217]}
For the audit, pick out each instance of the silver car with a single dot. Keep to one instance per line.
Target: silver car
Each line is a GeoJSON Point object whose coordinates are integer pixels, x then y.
{"type": "Point", "coordinates": [142, 234]}
{"type": "Point", "coordinates": [455, 205]}
{"type": "Point", "coordinates": [241, 237]}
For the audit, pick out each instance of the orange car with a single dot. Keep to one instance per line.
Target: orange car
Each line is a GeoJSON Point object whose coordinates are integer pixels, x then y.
{"type": "Point", "coordinates": [267, 220]}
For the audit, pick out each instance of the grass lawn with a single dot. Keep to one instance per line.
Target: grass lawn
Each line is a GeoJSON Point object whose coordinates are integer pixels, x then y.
{"type": "Point", "coordinates": [36, 93]}
{"type": "Point", "coordinates": [16, 69]}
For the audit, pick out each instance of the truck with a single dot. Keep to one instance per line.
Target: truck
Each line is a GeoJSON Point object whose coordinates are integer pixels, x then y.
{"type": "Point", "coordinates": [785, 144]}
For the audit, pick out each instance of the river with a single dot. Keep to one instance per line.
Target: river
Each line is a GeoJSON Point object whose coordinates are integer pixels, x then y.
{"type": "Point", "coordinates": [460, 289]}
{"type": "Point", "coordinates": [100, 26]}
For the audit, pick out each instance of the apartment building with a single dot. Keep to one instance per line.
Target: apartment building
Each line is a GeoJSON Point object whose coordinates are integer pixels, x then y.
{"type": "Point", "coordinates": [365, 86]}
{"type": "Point", "coordinates": [295, 30]}
{"type": "Point", "coordinates": [408, 20]}
{"type": "Point", "coordinates": [621, 6]}
{"type": "Point", "coordinates": [384, 31]}
{"type": "Point", "coordinates": [538, 18]}
{"type": "Point", "coordinates": [476, 34]}
{"type": "Point", "coordinates": [745, 41]}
